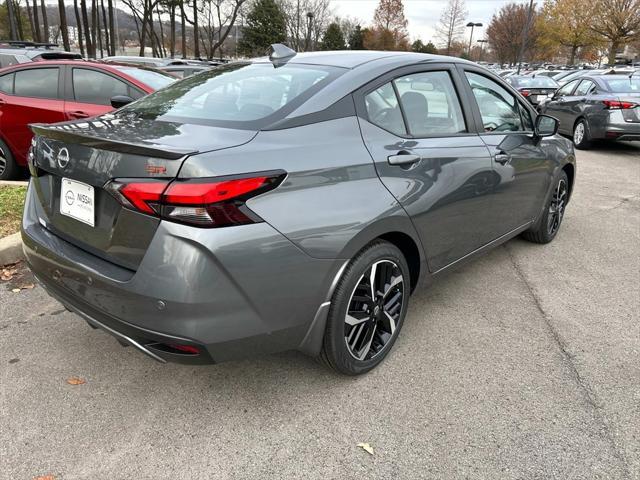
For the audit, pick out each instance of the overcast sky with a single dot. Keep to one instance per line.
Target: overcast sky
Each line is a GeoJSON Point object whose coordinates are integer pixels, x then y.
{"type": "Point", "coordinates": [421, 14]}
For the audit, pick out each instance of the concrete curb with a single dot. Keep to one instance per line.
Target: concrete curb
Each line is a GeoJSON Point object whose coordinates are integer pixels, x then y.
{"type": "Point", "coordinates": [14, 183]}
{"type": "Point", "coordinates": [10, 249]}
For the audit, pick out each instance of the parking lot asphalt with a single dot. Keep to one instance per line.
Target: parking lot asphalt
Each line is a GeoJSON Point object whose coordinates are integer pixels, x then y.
{"type": "Point", "coordinates": [524, 364]}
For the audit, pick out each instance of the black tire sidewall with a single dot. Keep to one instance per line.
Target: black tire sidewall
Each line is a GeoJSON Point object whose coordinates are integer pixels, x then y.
{"type": "Point", "coordinates": [544, 220]}
{"type": "Point", "coordinates": [339, 356]}
{"type": "Point", "coordinates": [11, 171]}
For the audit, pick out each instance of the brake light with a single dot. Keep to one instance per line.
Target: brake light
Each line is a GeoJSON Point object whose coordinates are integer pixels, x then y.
{"type": "Point", "coordinates": [618, 105]}
{"type": "Point", "coordinates": [201, 202]}
{"type": "Point", "coordinates": [525, 93]}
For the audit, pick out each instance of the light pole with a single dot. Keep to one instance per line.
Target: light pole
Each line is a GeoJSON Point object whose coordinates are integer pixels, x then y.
{"type": "Point", "coordinates": [481, 42]}
{"type": "Point", "coordinates": [309, 21]}
{"type": "Point", "coordinates": [472, 25]}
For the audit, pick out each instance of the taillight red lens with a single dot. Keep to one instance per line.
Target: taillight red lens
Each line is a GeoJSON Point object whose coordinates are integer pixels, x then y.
{"type": "Point", "coordinates": [525, 93]}
{"type": "Point", "coordinates": [201, 202]}
{"type": "Point", "coordinates": [618, 105]}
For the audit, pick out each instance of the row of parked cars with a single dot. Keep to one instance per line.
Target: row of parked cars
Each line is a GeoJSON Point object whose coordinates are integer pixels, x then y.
{"type": "Point", "coordinates": [42, 84]}
{"type": "Point", "coordinates": [590, 104]}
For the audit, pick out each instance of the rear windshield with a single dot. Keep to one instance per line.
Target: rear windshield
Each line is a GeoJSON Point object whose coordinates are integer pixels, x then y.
{"type": "Point", "coordinates": [624, 85]}
{"type": "Point", "coordinates": [153, 79]}
{"type": "Point", "coordinates": [535, 82]}
{"type": "Point", "coordinates": [240, 95]}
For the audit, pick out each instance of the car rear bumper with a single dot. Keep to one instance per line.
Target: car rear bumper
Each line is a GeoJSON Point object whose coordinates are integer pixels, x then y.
{"type": "Point", "coordinates": [618, 128]}
{"type": "Point", "coordinates": [230, 293]}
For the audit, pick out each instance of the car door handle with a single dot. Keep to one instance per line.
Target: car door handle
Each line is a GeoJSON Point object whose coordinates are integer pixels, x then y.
{"type": "Point", "coordinates": [78, 114]}
{"type": "Point", "coordinates": [403, 158]}
{"type": "Point", "coordinates": [502, 158]}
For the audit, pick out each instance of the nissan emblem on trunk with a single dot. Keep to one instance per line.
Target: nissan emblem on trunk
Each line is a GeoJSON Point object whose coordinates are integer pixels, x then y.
{"type": "Point", "coordinates": [63, 157]}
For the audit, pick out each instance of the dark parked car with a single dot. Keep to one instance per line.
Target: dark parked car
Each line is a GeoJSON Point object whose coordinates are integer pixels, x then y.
{"type": "Point", "coordinates": [13, 53]}
{"type": "Point", "coordinates": [598, 107]}
{"type": "Point", "coordinates": [53, 91]}
{"type": "Point", "coordinates": [251, 209]}
{"type": "Point", "coordinates": [536, 89]}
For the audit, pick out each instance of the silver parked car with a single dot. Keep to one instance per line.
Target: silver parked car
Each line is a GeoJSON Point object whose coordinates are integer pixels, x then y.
{"type": "Point", "coordinates": [598, 107]}
{"type": "Point", "coordinates": [291, 202]}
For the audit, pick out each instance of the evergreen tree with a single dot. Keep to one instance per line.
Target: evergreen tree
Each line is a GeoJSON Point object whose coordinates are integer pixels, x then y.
{"type": "Point", "coordinates": [356, 40]}
{"type": "Point", "coordinates": [333, 38]}
{"type": "Point", "coordinates": [266, 24]}
{"type": "Point", "coordinates": [420, 47]}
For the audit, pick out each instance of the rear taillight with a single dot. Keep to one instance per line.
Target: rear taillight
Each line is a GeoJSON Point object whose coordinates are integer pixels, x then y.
{"type": "Point", "coordinates": [525, 93]}
{"type": "Point", "coordinates": [618, 105]}
{"type": "Point", "coordinates": [212, 202]}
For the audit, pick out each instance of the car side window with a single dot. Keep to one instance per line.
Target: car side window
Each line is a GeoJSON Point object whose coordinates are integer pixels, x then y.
{"type": "Point", "coordinates": [6, 60]}
{"type": "Point", "coordinates": [499, 109]}
{"type": "Point", "coordinates": [91, 86]}
{"type": "Point", "coordinates": [383, 109]}
{"type": "Point", "coordinates": [585, 88]}
{"type": "Point", "coordinates": [6, 83]}
{"type": "Point", "coordinates": [566, 89]}
{"type": "Point", "coordinates": [430, 104]}
{"type": "Point", "coordinates": [37, 83]}
{"type": "Point", "coordinates": [526, 118]}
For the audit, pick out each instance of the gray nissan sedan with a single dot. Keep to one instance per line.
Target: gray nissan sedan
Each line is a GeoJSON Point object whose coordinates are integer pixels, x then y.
{"type": "Point", "coordinates": [288, 203]}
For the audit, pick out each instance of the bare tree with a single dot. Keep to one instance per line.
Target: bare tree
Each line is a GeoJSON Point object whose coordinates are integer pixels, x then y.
{"type": "Point", "coordinates": [451, 25]}
{"type": "Point", "coordinates": [306, 22]}
{"type": "Point", "coordinates": [220, 16]}
{"type": "Point", "coordinates": [13, 27]}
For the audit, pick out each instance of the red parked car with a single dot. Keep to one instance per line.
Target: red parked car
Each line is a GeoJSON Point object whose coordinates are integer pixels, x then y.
{"type": "Point", "coordinates": [55, 91]}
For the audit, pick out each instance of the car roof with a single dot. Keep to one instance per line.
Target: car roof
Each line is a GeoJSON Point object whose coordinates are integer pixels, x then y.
{"type": "Point", "coordinates": [354, 58]}
{"type": "Point", "coordinates": [35, 52]}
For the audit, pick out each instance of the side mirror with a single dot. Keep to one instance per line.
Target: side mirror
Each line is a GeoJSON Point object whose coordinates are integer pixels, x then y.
{"type": "Point", "coordinates": [546, 126]}
{"type": "Point", "coordinates": [120, 101]}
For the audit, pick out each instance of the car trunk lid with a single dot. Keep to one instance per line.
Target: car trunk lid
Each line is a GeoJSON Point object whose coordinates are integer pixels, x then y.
{"type": "Point", "coordinates": [72, 162]}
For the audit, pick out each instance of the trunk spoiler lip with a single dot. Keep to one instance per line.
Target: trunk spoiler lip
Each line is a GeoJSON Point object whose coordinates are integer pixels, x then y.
{"type": "Point", "coordinates": [151, 150]}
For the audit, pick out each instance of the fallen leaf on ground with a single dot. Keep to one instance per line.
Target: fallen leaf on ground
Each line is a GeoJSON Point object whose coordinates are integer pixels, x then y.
{"type": "Point", "coordinates": [45, 477]}
{"type": "Point", "coordinates": [366, 447]}
{"type": "Point", "coordinates": [16, 290]}
{"type": "Point", "coordinates": [76, 381]}
{"type": "Point", "coordinates": [28, 286]}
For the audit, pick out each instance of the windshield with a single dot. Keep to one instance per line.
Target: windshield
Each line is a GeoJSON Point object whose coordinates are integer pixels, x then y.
{"type": "Point", "coordinates": [532, 82]}
{"type": "Point", "coordinates": [624, 85]}
{"type": "Point", "coordinates": [235, 95]}
{"type": "Point", "coordinates": [155, 80]}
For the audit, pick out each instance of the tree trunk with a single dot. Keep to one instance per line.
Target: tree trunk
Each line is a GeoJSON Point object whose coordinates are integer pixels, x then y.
{"type": "Point", "coordinates": [78, 26]}
{"type": "Point", "coordinates": [97, 27]}
{"type": "Point", "coordinates": [13, 29]}
{"type": "Point", "coordinates": [45, 22]}
{"type": "Point", "coordinates": [18, 17]}
{"type": "Point", "coordinates": [94, 31]}
{"type": "Point", "coordinates": [143, 28]}
{"type": "Point", "coordinates": [31, 23]}
{"type": "Point", "coordinates": [107, 43]}
{"type": "Point", "coordinates": [615, 45]}
{"type": "Point", "coordinates": [183, 31]}
{"type": "Point", "coordinates": [87, 32]}
{"type": "Point", "coordinates": [196, 45]}
{"type": "Point", "coordinates": [172, 35]}
{"type": "Point", "coordinates": [572, 57]}
{"type": "Point", "coordinates": [112, 28]}
{"type": "Point", "coordinates": [162, 50]}
{"type": "Point", "coordinates": [63, 25]}
{"type": "Point", "coordinates": [36, 22]}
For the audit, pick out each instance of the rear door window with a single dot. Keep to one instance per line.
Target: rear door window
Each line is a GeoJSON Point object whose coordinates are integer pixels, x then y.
{"type": "Point", "coordinates": [499, 109]}
{"type": "Point", "coordinates": [566, 89]}
{"type": "Point", "coordinates": [91, 86]}
{"type": "Point", "coordinates": [6, 84]}
{"type": "Point", "coordinates": [430, 104]}
{"type": "Point", "coordinates": [37, 83]}
{"type": "Point", "coordinates": [585, 88]}
{"type": "Point", "coordinates": [383, 109]}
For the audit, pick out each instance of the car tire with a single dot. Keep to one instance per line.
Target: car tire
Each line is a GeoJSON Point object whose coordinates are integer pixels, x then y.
{"type": "Point", "coordinates": [548, 224]}
{"type": "Point", "coordinates": [360, 332]}
{"type": "Point", "coordinates": [581, 138]}
{"type": "Point", "coordinates": [9, 170]}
